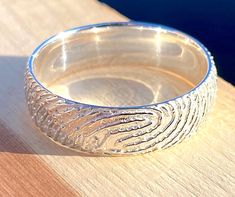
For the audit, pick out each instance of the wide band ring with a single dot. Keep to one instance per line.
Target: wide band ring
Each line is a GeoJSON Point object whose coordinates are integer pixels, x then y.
{"type": "Point", "coordinates": [180, 66]}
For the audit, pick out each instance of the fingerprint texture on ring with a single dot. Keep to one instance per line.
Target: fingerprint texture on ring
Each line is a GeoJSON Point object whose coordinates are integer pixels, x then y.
{"type": "Point", "coordinates": [119, 130]}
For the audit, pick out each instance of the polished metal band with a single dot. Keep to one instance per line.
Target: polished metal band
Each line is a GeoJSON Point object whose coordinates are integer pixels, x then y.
{"type": "Point", "coordinates": [119, 130]}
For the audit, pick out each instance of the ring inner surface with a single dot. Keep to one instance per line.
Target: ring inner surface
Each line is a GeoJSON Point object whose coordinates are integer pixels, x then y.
{"type": "Point", "coordinates": [120, 66]}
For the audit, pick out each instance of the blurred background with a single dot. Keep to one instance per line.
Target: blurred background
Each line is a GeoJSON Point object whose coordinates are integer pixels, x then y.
{"type": "Point", "coordinates": [210, 21]}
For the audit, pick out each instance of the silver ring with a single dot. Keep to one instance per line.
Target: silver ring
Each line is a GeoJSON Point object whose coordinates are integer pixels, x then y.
{"type": "Point", "coordinates": [120, 88]}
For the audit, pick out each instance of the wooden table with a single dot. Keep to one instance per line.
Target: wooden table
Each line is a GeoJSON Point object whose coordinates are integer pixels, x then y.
{"type": "Point", "coordinates": [32, 165]}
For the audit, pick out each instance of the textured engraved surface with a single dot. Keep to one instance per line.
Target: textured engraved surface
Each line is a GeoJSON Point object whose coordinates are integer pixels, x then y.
{"type": "Point", "coordinates": [119, 131]}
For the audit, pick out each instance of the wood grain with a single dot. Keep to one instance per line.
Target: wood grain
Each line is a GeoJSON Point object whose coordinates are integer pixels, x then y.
{"type": "Point", "coordinates": [201, 166]}
{"type": "Point", "coordinates": [22, 173]}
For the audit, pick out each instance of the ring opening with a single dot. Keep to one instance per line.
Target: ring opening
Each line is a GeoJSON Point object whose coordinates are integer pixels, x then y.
{"type": "Point", "coordinates": [118, 66]}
